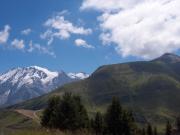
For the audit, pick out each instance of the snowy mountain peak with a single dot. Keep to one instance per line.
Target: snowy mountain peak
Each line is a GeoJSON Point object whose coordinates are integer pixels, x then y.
{"type": "Point", "coordinates": [20, 84]}
{"type": "Point", "coordinates": [79, 75]}
{"type": "Point", "coordinates": [48, 72]}
{"type": "Point", "coordinates": [28, 75]}
{"type": "Point", "coordinates": [44, 74]}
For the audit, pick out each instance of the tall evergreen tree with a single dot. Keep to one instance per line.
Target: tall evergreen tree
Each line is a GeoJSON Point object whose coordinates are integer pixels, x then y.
{"type": "Point", "coordinates": [143, 132]}
{"type": "Point", "coordinates": [113, 118]}
{"type": "Point", "coordinates": [98, 123]}
{"type": "Point", "coordinates": [149, 129]}
{"type": "Point", "coordinates": [82, 115]}
{"type": "Point", "coordinates": [168, 128]}
{"type": "Point", "coordinates": [65, 114]}
{"type": "Point", "coordinates": [46, 119]}
{"type": "Point", "coordinates": [155, 131]}
{"type": "Point", "coordinates": [128, 123]}
{"type": "Point", "coordinates": [119, 121]}
{"type": "Point", "coordinates": [71, 114]}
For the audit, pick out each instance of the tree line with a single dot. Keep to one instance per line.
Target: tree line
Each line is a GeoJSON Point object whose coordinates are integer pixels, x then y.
{"type": "Point", "coordinates": [68, 113]}
{"type": "Point", "coordinates": [169, 129]}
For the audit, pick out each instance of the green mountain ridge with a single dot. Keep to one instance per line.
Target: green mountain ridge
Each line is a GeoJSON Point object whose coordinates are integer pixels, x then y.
{"type": "Point", "coordinates": [150, 88]}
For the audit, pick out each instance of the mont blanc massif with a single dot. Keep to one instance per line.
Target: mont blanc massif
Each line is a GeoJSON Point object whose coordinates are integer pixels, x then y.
{"type": "Point", "coordinates": [20, 84]}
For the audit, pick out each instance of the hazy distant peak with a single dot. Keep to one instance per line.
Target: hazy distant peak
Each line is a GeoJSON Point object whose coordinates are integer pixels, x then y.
{"type": "Point", "coordinates": [169, 58]}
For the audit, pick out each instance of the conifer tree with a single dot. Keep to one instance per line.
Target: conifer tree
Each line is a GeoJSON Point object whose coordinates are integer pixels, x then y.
{"type": "Point", "coordinates": [149, 129]}
{"type": "Point", "coordinates": [113, 118]}
{"type": "Point", "coordinates": [119, 121]}
{"type": "Point", "coordinates": [71, 114]}
{"type": "Point", "coordinates": [168, 128]}
{"type": "Point", "coordinates": [47, 116]}
{"type": "Point", "coordinates": [143, 132]}
{"type": "Point", "coordinates": [128, 123]}
{"type": "Point", "coordinates": [155, 131]}
{"type": "Point", "coordinates": [98, 123]}
{"type": "Point", "coordinates": [67, 113]}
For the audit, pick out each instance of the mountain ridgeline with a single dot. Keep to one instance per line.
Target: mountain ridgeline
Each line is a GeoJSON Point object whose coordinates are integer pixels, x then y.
{"type": "Point", "coordinates": [21, 84]}
{"type": "Point", "coordinates": [149, 88]}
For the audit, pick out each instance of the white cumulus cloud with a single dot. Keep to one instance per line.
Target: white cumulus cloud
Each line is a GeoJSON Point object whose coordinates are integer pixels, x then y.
{"type": "Point", "coordinates": [142, 28]}
{"type": "Point", "coordinates": [26, 31]}
{"type": "Point", "coordinates": [4, 34]}
{"type": "Point", "coordinates": [18, 44]}
{"type": "Point", "coordinates": [108, 5]}
{"type": "Point", "coordinates": [39, 48]}
{"type": "Point", "coordinates": [82, 43]}
{"type": "Point", "coordinates": [58, 27]}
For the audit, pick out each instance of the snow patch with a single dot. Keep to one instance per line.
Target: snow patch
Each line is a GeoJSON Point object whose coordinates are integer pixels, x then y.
{"type": "Point", "coordinates": [50, 75]}
{"type": "Point", "coordinates": [80, 75]}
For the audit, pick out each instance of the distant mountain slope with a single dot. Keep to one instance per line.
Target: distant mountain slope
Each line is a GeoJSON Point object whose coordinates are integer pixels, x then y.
{"type": "Point", "coordinates": [20, 84]}
{"type": "Point", "coordinates": [150, 88]}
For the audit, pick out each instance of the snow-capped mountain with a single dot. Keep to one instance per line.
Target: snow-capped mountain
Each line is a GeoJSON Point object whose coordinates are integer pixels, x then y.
{"type": "Point", "coordinates": [80, 75]}
{"type": "Point", "coordinates": [20, 84]}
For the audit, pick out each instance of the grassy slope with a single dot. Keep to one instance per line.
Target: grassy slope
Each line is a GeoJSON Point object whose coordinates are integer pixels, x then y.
{"type": "Point", "coordinates": [11, 122]}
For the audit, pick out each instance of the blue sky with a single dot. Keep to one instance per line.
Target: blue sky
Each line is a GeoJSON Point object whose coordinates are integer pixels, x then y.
{"type": "Point", "coordinates": [82, 47]}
